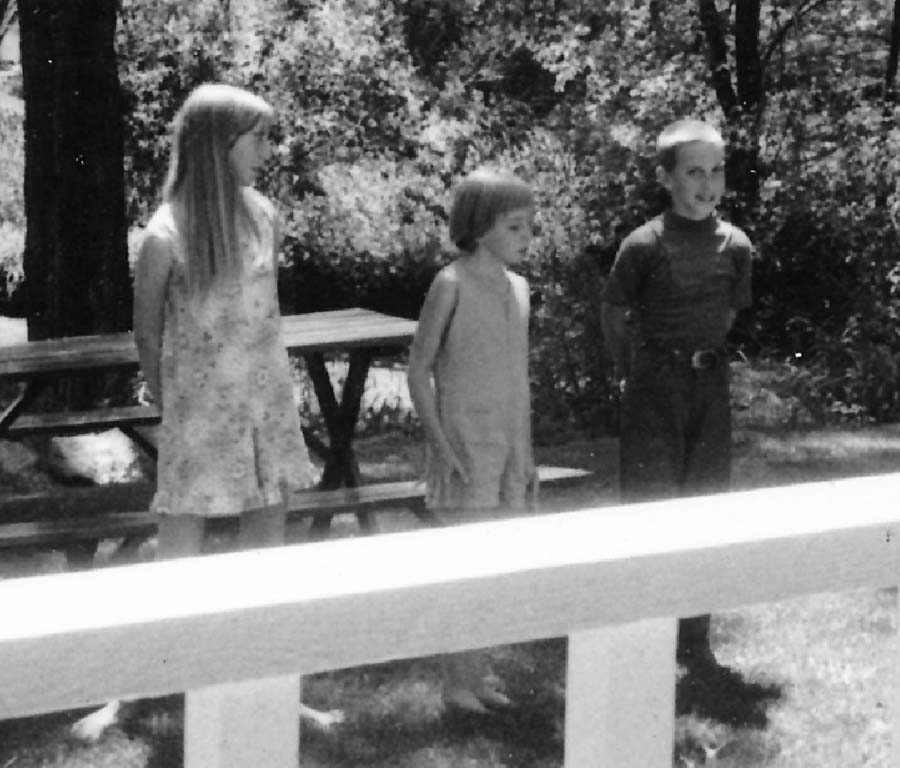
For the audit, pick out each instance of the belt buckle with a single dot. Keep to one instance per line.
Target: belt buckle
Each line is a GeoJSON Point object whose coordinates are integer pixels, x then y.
{"type": "Point", "coordinates": [702, 359]}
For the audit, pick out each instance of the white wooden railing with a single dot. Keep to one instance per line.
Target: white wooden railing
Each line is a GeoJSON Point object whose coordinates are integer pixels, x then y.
{"type": "Point", "coordinates": [235, 631]}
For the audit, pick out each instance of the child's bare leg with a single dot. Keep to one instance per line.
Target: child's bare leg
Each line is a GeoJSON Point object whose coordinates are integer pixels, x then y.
{"type": "Point", "coordinates": [91, 727]}
{"type": "Point", "coordinates": [469, 684]}
{"type": "Point", "coordinates": [461, 674]}
{"type": "Point", "coordinates": [179, 536]}
{"type": "Point", "coordinates": [266, 527]}
{"type": "Point", "coordinates": [263, 527]}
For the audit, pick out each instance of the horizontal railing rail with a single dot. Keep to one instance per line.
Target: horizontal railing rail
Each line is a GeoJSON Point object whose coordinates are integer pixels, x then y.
{"type": "Point", "coordinates": [235, 631]}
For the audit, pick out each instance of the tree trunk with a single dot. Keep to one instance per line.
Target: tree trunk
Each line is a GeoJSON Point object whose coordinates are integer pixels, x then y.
{"type": "Point", "coordinates": [890, 79]}
{"type": "Point", "coordinates": [742, 106]}
{"type": "Point", "coordinates": [746, 54]}
{"type": "Point", "coordinates": [717, 56]}
{"type": "Point", "coordinates": [76, 263]}
{"type": "Point", "coordinates": [744, 156]}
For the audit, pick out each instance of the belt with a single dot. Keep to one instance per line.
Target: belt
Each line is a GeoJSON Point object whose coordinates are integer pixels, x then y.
{"type": "Point", "coordinates": [699, 359]}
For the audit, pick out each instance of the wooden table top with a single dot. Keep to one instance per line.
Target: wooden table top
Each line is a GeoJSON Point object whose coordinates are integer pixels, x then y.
{"type": "Point", "coordinates": [312, 332]}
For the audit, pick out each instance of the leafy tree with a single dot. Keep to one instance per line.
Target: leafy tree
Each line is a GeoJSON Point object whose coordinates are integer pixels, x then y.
{"type": "Point", "coordinates": [383, 106]}
{"type": "Point", "coordinates": [890, 73]}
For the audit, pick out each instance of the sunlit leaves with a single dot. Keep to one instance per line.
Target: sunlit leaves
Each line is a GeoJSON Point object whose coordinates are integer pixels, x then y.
{"type": "Point", "coordinates": [382, 106]}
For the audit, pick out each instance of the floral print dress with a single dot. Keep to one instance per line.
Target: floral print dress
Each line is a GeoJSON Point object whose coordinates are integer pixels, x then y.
{"type": "Point", "coordinates": [230, 437]}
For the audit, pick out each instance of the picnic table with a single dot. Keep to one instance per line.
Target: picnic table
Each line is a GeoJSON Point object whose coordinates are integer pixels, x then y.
{"type": "Point", "coordinates": [79, 517]}
{"type": "Point", "coordinates": [361, 333]}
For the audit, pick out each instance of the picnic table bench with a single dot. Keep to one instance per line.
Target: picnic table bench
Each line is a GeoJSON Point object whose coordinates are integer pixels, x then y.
{"type": "Point", "coordinates": [121, 510]}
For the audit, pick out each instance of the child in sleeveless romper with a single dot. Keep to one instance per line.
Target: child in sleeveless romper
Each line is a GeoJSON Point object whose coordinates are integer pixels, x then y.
{"type": "Point", "coordinates": [472, 341]}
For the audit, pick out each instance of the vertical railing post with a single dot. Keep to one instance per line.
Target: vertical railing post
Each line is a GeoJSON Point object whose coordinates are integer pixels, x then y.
{"type": "Point", "coordinates": [620, 696]}
{"type": "Point", "coordinates": [244, 725]}
{"type": "Point", "coordinates": [894, 710]}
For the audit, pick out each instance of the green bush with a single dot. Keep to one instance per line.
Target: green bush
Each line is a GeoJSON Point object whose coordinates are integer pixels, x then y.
{"type": "Point", "coordinates": [12, 245]}
{"type": "Point", "coordinates": [383, 106]}
{"type": "Point", "coordinates": [12, 204]}
{"type": "Point", "coordinates": [165, 48]}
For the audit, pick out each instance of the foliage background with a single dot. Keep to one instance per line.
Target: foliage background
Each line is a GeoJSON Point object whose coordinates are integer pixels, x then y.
{"type": "Point", "coordinates": [383, 105]}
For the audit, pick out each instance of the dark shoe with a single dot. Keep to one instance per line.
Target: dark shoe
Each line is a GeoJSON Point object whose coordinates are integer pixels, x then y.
{"type": "Point", "coordinates": [710, 690]}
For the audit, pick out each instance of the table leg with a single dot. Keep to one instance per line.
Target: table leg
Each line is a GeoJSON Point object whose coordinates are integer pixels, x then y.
{"type": "Point", "coordinates": [328, 406]}
{"type": "Point", "coordinates": [315, 444]}
{"type": "Point", "coordinates": [340, 422]}
{"type": "Point", "coordinates": [33, 387]}
{"type": "Point", "coordinates": [80, 554]}
{"type": "Point", "coordinates": [141, 440]}
{"type": "Point", "coordinates": [351, 399]}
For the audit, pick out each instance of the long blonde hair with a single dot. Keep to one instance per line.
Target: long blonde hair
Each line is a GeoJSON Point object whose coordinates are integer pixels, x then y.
{"type": "Point", "coordinates": [201, 186]}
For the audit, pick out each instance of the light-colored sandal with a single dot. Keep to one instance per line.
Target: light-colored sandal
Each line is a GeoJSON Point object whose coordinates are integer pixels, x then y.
{"type": "Point", "coordinates": [464, 700]}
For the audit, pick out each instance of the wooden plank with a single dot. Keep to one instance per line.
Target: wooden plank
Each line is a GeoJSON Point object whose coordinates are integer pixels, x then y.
{"type": "Point", "coordinates": [45, 532]}
{"type": "Point", "coordinates": [620, 696]}
{"type": "Point", "coordinates": [82, 421]}
{"type": "Point", "coordinates": [76, 353]}
{"type": "Point", "coordinates": [346, 330]}
{"type": "Point", "coordinates": [319, 331]}
{"type": "Point", "coordinates": [374, 494]}
{"type": "Point", "coordinates": [94, 501]}
{"type": "Point", "coordinates": [243, 725]}
{"type": "Point", "coordinates": [158, 628]}
{"type": "Point", "coordinates": [100, 512]}
{"type": "Point", "coordinates": [77, 503]}
{"type": "Point", "coordinates": [122, 497]}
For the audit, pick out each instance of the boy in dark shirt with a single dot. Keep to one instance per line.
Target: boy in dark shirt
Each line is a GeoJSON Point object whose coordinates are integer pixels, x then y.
{"type": "Point", "coordinates": [674, 290]}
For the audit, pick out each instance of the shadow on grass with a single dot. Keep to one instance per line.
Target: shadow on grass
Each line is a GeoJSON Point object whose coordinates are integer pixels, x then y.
{"type": "Point", "coordinates": [524, 736]}
{"type": "Point", "coordinates": [44, 742]}
{"type": "Point", "coordinates": [413, 729]}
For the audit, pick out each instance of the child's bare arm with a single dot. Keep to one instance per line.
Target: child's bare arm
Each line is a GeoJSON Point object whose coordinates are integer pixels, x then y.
{"type": "Point", "coordinates": [276, 244]}
{"type": "Point", "coordinates": [732, 314]}
{"type": "Point", "coordinates": [433, 319]}
{"type": "Point", "coordinates": [269, 211]}
{"type": "Point", "coordinates": [615, 332]}
{"type": "Point", "coordinates": [523, 296]}
{"type": "Point", "coordinates": [151, 274]}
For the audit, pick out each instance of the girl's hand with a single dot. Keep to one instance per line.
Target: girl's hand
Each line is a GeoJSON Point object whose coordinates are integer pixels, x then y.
{"type": "Point", "coordinates": [449, 463]}
{"type": "Point", "coordinates": [532, 483]}
{"type": "Point", "coordinates": [530, 470]}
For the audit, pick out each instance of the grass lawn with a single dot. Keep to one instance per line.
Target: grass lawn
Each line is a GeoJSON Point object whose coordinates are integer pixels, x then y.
{"type": "Point", "coordinates": [832, 655]}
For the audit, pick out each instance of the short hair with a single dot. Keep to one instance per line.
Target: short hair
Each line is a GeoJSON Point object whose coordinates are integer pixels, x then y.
{"type": "Point", "coordinates": [480, 199]}
{"type": "Point", "coordinates": [200, 178]}
{"type": "Point", "coordinates": [682, 132]}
